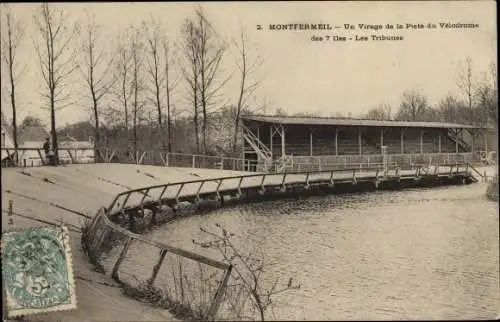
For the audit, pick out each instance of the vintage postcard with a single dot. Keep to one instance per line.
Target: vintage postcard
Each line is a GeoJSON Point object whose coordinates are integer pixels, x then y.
{"type": "Point", "coordinates": [343, 154]}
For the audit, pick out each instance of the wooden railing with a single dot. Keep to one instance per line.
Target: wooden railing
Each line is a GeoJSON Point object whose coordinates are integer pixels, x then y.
{"type": "Point", "coordinates": [187, 190]}
{"type": "Point", "coordinates": [101, 228]}
{"type": "Point", "coordinates": [136, 201]}
{"type": "Point", "coordinates": [35, 157]}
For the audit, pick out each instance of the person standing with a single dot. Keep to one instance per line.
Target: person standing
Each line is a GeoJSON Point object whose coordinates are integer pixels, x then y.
{"type": "Point", "coordinates": [46, 149]}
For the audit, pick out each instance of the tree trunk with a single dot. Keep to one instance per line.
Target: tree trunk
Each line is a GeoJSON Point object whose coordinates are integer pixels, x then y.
{"type": "Point", "coordinates": [196, 132]}
{"type": "Point", "coordinates": [97, 138]}
{"type": "Point", "coordinates": [169, 121]}
{"type": "Point", "coordinates": [14, 116]}
{"type": "Point", "coordinates": [55, 157]}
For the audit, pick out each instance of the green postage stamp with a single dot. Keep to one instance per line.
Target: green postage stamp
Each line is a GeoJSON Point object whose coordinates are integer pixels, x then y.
{"type": "Point", "coordinates": [37, 271]}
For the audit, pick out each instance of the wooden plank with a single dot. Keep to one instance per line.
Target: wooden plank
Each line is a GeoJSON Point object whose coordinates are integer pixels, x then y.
{"type": "Point", "coordinates": [157, 267]}
{"type": "Point", "coordinates": [120, 259]}
{"type": "Point", "coordinates": [212, 311]}
{"type": "Point", "coordinates": [171, 249]}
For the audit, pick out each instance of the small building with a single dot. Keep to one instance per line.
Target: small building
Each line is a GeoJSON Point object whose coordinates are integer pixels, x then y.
{"type": "Point", "coordinates": [30, 142]}
{"type": "Point", "coordinates": [286, 143]}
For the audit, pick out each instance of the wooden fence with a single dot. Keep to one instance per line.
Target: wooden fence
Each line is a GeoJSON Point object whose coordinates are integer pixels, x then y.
{"type": "Point", "coordinates": [153, 205]}
{"type": "Point", "coordinates": [180, 279]}
{"type": "Point", "coordinates": [35, 157]}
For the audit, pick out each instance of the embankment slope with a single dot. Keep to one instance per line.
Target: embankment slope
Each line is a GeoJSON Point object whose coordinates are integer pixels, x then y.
{"type": "Point", "coordinates": [57, 194]}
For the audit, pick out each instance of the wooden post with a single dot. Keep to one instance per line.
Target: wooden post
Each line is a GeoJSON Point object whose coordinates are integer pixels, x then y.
{"type": "Point", "coordinates": [157, 267]}
{"type": "Point", "coordinates": [283, 187]}
{"type": "Point", "coordinates": [120, 259]}
{"type": "Point", "coordinates": [283, 141]}
{"type": "Point", "coordinates": [178, 193]}
{"type": "Point", "coordinates": [439, 142]}
{"type": "Point", "coordinates": [336, 142]}
{"type": "Point", "coordinates": [199, 189]}
{"type": "Point", "coordinates": [402, 141]}
{"type": "Point", "coordinates": [456, 141]}
{"type": "Point", "coordinates": [473, 134]}
{"type": "Point", "coordinates": [311, 142]}
{"type": "Point", "coordinates": [421, 141]}
{"type": "Point", "coordinates": [359, 141]}
{"type": "Point", "coordinates": [271, 139]}
{"type": "Point", "coordinates": [486, 142]}
{"type": "Point", "coordinates": [210, 316]}
{"type": "Point", "coordinates": [262, 183]}
{"type": "Point", "coordinates": [381, 139]}
{"type": "Point", "coordinates": [384, 159]}
{"type": "Point", "coordinates": [239, 185]}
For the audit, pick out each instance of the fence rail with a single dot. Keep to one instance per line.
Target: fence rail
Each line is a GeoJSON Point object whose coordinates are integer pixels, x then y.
{"type": "Point", "coordinates": [195, 188]}
{"type": "Point", "coordinates": [30, 157]}
{"type": "Point", "coordinates": [147, 203]}
{"type": "Point", "coordinates": [103, 236]}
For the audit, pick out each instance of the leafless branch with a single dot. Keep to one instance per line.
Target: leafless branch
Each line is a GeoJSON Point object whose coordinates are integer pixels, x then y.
{"type": "Point", "coordinates": [248, 268]}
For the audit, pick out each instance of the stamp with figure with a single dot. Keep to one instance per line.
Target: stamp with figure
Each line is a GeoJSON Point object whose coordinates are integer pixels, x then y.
{"type": "Point", "coordinates": [37, 271]}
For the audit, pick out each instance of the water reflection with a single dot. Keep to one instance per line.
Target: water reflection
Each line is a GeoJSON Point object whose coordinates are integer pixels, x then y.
{"type": "Point", "coordinates": [415, 254]}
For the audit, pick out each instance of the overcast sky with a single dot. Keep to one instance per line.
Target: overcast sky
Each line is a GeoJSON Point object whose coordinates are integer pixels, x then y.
{"type": "Point", "coordinates": [300, 75]}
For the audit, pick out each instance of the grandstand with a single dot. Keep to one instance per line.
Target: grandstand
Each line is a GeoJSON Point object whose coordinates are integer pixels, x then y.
{"type": "Point", "coordinates": [286, 141]}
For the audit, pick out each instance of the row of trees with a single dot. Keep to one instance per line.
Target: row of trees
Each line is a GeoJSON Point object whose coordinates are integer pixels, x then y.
{"type": "Point", "coordinates": [477, 102]}
{"type": "Point", "coordinates": [124, 84]}
{"type": "Point", "coordinates": [129, 86]}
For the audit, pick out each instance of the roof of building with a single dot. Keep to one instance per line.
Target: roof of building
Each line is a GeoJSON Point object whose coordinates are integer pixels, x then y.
{"type": "Point", "coordinates": [351, 122]}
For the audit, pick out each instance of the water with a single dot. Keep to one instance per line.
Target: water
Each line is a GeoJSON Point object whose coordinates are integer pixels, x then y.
{"type": "Point", "coordinates": [415, 254]}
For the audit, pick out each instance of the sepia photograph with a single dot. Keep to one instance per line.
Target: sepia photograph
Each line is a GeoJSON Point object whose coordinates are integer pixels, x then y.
{"type": "Point", "coordinates": [249, 161]}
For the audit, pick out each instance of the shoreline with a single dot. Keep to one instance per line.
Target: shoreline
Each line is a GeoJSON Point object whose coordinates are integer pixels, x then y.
{"type": "Point", "coordinates": [141, 222]}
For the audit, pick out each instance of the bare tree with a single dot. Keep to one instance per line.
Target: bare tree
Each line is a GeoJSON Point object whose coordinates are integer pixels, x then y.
{"type": "Point", "coordinates": [204, 49]}
{"type": "Point", "coordinates": [191, 72]}
{"type": "Point", "coordinates": [466, 86]}
{"type": "Point", "coordinates": [383, 112]}
{"type": "Point", "coordinates": [154, 68]}
{"type": "Point", "coordinates": [247, 86]}
{"type": "Point", "coordinates": [280, 112]}
{"type": "Point", "coordinates": [56, 63]}
{"type": "Point", "coordinates": [414, 107]}
{"type": "Point", "coordinates": [123, 72]}
{"type": "Point", "coordinates": [10, 45]}
{"type": "Point", "coordinates": [211, 52]}
{"type": "Point", "coordinates": [31, 121]}
{"type": "Point", "coordinates": [94, 67]}
{"type": "Point", "coordinates": [450, 109]}
{"type": "Point", "coordinates": [170, 84]}
{"type": "Point", "coordinates": [487, 94]}
{"type": "Point", "coordinates": [137, 54]}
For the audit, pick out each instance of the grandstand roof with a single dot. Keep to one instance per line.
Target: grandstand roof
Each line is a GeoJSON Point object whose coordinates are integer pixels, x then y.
{"type": "Point", "coordinates": [289, 120]}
